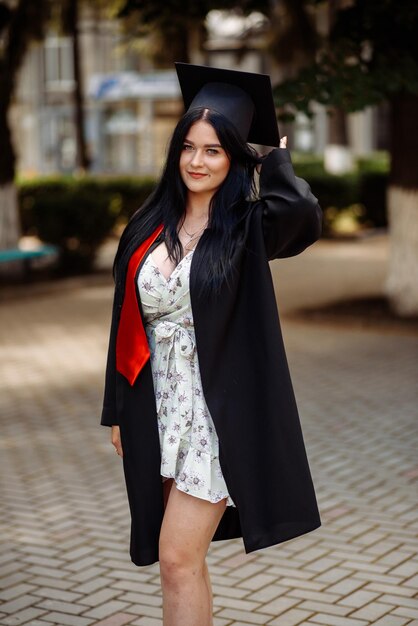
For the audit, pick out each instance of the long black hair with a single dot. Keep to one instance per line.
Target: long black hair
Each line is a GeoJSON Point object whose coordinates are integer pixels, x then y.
{"type": "Point", "coordinates": [167, 203]}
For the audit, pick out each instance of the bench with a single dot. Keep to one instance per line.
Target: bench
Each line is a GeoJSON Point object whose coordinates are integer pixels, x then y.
{"type": "Point", "coordinates": [27, 256]}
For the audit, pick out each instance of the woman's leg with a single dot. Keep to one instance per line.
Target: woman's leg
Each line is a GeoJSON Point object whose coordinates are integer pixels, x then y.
{"type": "Point", "coordinates": [186, 532]}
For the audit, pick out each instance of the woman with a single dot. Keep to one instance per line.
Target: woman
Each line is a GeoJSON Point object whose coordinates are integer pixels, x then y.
{"type": "Point", "coordinates": [198, 391]}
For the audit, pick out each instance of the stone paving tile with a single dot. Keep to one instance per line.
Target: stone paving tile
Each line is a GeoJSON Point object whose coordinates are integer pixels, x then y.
{"type": "Point", "coordinates": [25, 616]}
{"type": "Point", "coordinates": [151, 621]}
{"type": "Point", "coordinates": [12, 579]}
{"type": "Point", "coordinates": [12, 606]}
{"type": "Point", "coordinates": [235, 603]}
{"type": "Point", "coordinates": [406, 611]}
{"type": "Point", "coordinates": [57, 594]}
{"type": "Point", "coordinates": [373, 611]}
{"type": "Point", "coordinates": [145, 610]}
{"type": "Point", "coordinates": [244, 616]}
{"type": "Point", "coordinates": [333, 620]}
{"type": "Point", "coordinates": [142, 598]}
{"type": "Point", "coordinates": [278, 605]}
{"type": "Point", "coordinates": [63, 619]}
{"type": "Point", "coordinates": [266, 594]}
{"type": "Point", "coordinates": [128, 585]}
{"type": "Point", "coordinates": [322, 607]}
{"type": "Point", "coordinates": [88, 574]}
{"type": "Point", "coordinates": [15, 591]}
{"type": "Point", "coordinates": [359, 598]}
{"type": "Point", "coordinates": [92, 585]}
{"type": "Point", "coordinates": [118, 619]}
{"type": "Point", "coordinates": [38, 622]}
{"type": "Point", "coordinates": [258, 581]}
{"type": "Point", "coordinates": [232, 592]}
{"type": "Point", "coordinates": [103, 595]}
{"type": "Point", "coordinates": [58, 605]}
{"type": "Point", "coordinates": [107, 609]}
{"type": "Point", "coordinates": [392, 620]}
{"type": "Point", "coordinates": [290, 618]}
{"type": "Point", "coordinates": [64, 519]}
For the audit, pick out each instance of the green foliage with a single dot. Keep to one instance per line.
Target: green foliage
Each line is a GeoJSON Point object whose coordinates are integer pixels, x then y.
{"type": "Point", "coordinates": [78, 214]}
{"type": "Point", "coordinates": [168, 30]}
{"type": "Point", "coordinates": [375, 162]}
{"type": "Point", "coordinates": [360, 195]}
{"type": "Point", "coordinates": [371, 55]}
{"type": "Point", "coordinates": [131, 192]}
{"type": "Point", "coordinates": [153, 13]}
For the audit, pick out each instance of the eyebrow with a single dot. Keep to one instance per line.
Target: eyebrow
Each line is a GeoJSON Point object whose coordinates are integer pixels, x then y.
{"type": "Point", "coordinates": [207, 145]}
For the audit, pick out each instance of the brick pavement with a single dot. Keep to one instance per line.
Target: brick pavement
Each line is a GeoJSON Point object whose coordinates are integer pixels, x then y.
{"type": "Point", "coordinates": [64, 516]}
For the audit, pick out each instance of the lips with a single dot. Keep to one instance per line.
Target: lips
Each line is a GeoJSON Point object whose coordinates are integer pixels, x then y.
{"type": "Point", "coordinates": [196, 175]}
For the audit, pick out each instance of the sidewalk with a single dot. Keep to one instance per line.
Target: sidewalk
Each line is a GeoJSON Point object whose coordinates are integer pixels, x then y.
{"type": "Point", "coordinates": [64, 517]}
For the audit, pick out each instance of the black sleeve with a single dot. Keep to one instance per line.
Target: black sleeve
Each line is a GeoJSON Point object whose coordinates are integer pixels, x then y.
{"type": "Point", "coordinates": [109, 417]}
{"type": "Point", "coordinates": [292, 217]}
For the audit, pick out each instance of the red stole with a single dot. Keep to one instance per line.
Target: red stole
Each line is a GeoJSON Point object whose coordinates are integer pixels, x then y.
{"type": "Point", "coordinates": [132, 351]}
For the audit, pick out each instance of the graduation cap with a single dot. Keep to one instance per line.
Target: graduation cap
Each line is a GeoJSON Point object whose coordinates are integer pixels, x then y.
{"type": "Point", "coordinates": [245, 98]}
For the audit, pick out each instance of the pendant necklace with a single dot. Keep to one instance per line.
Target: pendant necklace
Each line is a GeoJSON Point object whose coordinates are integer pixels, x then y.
{"type": "Point", "coordinates": [192, 236]}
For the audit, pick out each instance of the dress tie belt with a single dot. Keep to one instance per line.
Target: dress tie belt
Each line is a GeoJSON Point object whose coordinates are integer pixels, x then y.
{"type": "Point", "coordinates": [175, 341]}
{"type": "Point", "coordinates": [176, 336]}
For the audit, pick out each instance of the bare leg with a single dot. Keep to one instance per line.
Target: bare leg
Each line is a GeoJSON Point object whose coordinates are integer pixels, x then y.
{"type": "Point", "coordinates": [188, 527]}
{"type": "Point", "coordinates": [209, 588]}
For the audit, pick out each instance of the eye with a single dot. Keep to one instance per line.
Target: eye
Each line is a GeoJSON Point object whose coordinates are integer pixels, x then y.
{"type": "Point", "coordinates": [187, 146]}
{"type": "Point", "coordinates": [212, 151]}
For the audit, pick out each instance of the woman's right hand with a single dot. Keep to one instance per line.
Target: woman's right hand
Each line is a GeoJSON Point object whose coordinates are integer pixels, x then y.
{"type": "Point", "coordinates": [116, 440]}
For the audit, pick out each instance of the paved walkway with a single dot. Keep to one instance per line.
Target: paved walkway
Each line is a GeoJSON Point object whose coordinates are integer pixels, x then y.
{"type": "Point", "coordinates": [64, 516]}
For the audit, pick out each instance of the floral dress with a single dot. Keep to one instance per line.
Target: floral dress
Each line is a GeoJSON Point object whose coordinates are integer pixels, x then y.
{"type": "Point", "coordinates": [188, 440]}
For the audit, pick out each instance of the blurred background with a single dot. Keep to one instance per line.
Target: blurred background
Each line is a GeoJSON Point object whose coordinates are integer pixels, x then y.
{"type": "Point", "coordinates": [89, 98]}
{"type": "Point", "coordinates": [88, 101]}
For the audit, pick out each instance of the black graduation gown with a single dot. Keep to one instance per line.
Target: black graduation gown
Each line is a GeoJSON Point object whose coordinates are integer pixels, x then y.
{"type": "Point", "coordinates": [245, 380]}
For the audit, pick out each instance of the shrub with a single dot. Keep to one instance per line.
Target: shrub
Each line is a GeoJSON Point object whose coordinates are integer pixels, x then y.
{"type": "Point", "coordinates": [78, 214]}
{"type": "Point", "coordinates": [364, 189]}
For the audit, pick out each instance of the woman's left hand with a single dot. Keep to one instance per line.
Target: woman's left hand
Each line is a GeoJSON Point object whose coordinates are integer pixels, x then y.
{"type": "Point", "coordinates": [282, 144]}
{"type": "Point", "coordinates": [116, 441]}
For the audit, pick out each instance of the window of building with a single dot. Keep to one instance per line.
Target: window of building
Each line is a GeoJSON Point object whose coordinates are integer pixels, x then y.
{"type": "Point", "coordinates": [58, 64]}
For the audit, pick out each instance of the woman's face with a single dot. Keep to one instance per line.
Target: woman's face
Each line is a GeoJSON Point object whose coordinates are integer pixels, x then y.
{"type": "Point", "coordinates": [204, 164]}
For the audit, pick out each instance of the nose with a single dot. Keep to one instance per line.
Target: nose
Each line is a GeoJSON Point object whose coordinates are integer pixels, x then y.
{"type": "Point", "coordinates": [197, 159]}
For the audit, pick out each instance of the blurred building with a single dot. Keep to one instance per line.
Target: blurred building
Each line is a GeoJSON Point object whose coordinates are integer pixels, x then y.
{"type": "Point", "coordinates": [131, 109]}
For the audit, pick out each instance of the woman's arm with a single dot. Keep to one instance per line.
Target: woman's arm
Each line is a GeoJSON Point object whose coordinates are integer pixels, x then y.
{"type": "Point", "coordinates": [292, 217]}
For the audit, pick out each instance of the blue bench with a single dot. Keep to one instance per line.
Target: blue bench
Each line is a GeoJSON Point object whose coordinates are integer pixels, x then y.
{"type": "Point", "coordinates": [27, 256]}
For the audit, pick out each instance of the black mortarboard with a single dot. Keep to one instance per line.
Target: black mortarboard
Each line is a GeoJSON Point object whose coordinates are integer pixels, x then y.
{"type": "Point", "coordinates": [245, 98]}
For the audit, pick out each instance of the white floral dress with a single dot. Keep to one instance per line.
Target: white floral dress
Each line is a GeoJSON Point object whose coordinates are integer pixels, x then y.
{"type": "Point", "coordinates": [188, 440]}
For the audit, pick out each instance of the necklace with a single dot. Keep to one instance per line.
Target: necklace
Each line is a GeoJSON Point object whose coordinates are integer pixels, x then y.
{"type": "Point", "coordinates": [192, 236]}
{"type": "Point", "coordinates": [196, 232]}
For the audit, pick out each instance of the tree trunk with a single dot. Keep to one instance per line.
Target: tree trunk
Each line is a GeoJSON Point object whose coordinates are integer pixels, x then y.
{"type": "Point", "coordinates": [24, 23]}
{"type": "Point", "coordinates": [83, 160]}
{"type": "Point", "coordinates": [337, 127]}
{"type": "Point", "coordinates": [338, 156]}
{"type": "Point", "coordinates": [402, 201]}
{"type": "Point", "coordinates": [9, 221]}
{"type": "Point", "coordinates": [9, 229]}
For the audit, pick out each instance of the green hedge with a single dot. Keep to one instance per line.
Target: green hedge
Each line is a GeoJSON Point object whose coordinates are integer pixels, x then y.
{"type": "Point", "coordinates": [364, 188]}
{"type": "Point", "coordinates": [78, 214]}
